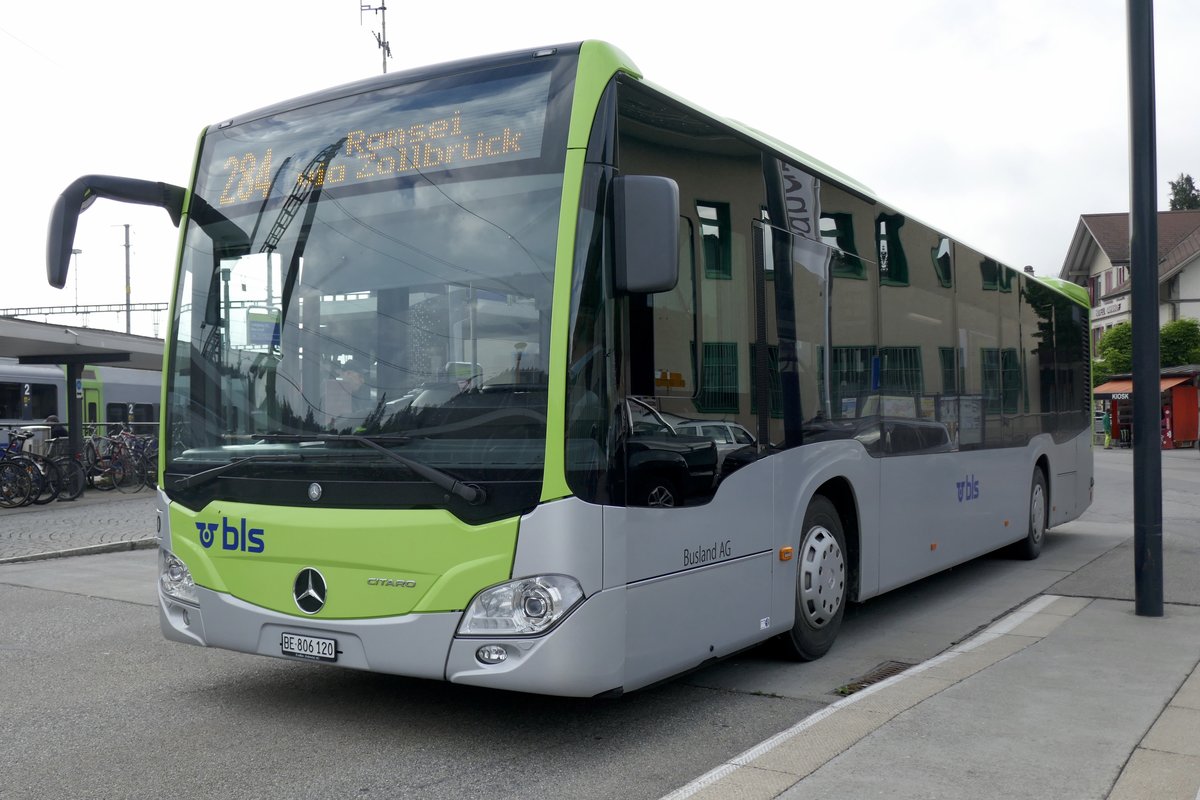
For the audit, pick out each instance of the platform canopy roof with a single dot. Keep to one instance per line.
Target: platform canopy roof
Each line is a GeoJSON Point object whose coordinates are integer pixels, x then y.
{"type": "Point", "coordinates": [54, 343]}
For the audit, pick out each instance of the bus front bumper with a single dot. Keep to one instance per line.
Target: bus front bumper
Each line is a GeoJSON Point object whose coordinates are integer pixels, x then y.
{"type": "Point", "coordinates": [581, 657]}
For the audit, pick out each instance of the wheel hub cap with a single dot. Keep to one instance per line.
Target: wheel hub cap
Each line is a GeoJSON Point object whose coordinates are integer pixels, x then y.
{"type": "Point", "coordinates": [822, 577]}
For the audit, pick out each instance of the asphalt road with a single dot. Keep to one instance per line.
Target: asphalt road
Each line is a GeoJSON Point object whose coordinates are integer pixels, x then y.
{"type": "Point", "coordinates": [96, 704]}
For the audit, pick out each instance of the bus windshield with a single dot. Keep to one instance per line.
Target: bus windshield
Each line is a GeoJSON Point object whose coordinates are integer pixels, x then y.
{"type": "Point", "coordinates": [378, 264]}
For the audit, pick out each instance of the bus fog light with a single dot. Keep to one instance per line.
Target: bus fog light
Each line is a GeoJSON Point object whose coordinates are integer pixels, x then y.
{"type": "Point", "coordinates": [521, 607]}
{"type": "Point", "coordinates": [491, 654]}
{"type": "Point", "coordinates": [175, 578]}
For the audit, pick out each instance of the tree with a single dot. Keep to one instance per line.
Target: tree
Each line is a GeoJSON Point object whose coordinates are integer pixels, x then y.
{"type": "Point", "coordinates": [1100, 373]}
{"type": "Point", "coordinates": [1116, 348]}
{"type": "Point", "coordinates": [1179, 343]}
{"type": "Point", "coordinates": [1183, 193]}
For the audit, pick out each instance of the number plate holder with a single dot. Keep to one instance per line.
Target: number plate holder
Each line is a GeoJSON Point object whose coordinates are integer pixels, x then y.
{"type": "Point", "coordinates": [313, 648]}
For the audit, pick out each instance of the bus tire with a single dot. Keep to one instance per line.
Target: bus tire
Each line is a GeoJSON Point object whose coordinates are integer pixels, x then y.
{"type": "Point", "coordinates": [1030, 547]}
{"type": "Point", "coordinates": [822, 583]}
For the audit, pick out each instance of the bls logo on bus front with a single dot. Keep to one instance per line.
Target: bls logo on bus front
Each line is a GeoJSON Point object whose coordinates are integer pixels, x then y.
{"type": "Point", "coordinates": [968, 489]}
{"type": "Point", "coordinates": [247, 540]}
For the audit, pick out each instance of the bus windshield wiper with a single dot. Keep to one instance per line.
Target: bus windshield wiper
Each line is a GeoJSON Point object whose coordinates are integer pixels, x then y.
{"type": "Point", "coordinates": [472, 493]}
{"type": "Point", "coordinates": [209, 475]}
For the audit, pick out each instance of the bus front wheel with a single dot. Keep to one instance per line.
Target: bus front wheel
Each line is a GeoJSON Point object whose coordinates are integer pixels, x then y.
{"type": "Point", "coordinates": [821, 583]}
{"type": "Point", "coordinates": [1030, 547]}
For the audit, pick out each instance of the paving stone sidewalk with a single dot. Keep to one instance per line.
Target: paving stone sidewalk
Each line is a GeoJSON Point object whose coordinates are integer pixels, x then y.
{"type": "Point", "coordinates": [95, 522]}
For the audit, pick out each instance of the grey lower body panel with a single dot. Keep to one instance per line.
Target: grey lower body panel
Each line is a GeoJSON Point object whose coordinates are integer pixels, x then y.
{"type": "Point", "coordinates": [414, 645]}
{"type": "Point", "coordinates": [583, 656]}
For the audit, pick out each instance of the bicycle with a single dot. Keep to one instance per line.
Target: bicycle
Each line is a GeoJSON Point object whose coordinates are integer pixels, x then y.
{"type": "Point", "coordinates": [45, 479]}
{"type": "Point", "coordinates": [74, 475]}
{"type": "Point", "coordinates": [107, 464]}
{"type": "Point", "coordinates": [15, 485]}
{"type": "Point", "coordinates": [143, 455]}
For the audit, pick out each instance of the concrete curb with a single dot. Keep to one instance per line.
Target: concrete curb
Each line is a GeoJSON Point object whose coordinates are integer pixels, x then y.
{"type": "Point", "coordinates": [108, 547]}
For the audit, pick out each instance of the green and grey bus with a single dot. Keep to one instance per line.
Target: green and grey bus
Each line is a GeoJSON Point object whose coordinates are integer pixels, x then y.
{"type": "Point", "coordinates": [440, 340]}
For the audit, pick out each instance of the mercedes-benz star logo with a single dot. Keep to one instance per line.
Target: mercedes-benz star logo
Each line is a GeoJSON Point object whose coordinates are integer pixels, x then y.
{"type": "Point", "coordinates": [309, 591]}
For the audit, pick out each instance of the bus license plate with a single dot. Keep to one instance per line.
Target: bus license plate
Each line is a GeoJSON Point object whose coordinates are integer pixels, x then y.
{"type": "Point", "coordinates": [294, 644]}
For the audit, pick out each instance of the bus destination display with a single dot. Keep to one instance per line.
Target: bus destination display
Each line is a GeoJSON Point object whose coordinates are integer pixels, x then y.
{"type": "Point", "coordinates": [500, 124]}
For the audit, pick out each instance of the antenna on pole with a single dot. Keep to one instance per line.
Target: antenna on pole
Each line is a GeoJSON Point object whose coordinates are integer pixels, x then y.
{"type": "Point", "coordinates": [380, 37]}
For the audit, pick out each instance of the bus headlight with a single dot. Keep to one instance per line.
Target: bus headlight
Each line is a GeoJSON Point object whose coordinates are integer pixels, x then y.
{"type": "Point", "coordinates": [521, 607]}
{"type": "Point", "coordinates": [175, 578]}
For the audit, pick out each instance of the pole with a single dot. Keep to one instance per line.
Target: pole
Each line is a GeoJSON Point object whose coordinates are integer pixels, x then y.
{"type": "Point", "coordinates": [128, 307]}
{"type": "Point", "coordinates": [74, 408]}
{"type": "Point", "coordinates": [383, 40]}
{"type": "Point", "coordinates": [1143, 264]}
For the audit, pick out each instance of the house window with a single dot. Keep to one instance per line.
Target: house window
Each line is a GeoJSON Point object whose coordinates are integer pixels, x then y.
{"type": "Point", "coordinates": [893, 265]}
{"type": "Point", "coordinates": [837, 231]}
{"type": "Point", "coordinates": [941, 263]}
{"type": "Point", "coordinates": [989, 271]}
{"type": "Point", "coordinates": [1001, 380]}
{"type": "Point", "coordinates": [715, 233]}
{"type": "Point", "coordinates": [768, 245]}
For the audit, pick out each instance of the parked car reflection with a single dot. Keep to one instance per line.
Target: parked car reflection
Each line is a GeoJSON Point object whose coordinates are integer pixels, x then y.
{"type": "Point", "coordinates": [728, 436]}
{"type": "Point", "coordinates": [665, 468]}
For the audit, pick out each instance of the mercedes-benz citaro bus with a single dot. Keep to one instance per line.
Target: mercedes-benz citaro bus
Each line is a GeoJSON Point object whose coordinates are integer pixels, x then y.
{"type": "Point", "coordinates": [438, 337]}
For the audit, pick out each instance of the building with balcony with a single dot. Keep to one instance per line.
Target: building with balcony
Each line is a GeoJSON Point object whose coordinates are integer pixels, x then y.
{"type": "Point", "coordinates": [1098, 259]}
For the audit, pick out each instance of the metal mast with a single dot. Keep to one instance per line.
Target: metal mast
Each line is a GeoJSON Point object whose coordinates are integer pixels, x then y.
{"type": "Point", "coordinates": [380, 38]}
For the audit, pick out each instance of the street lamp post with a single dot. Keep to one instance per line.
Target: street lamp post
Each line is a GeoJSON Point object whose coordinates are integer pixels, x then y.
{"type": "Point", "coordinates": [128, 307]}
{"type": "Point", "coordinates": [76, 253]}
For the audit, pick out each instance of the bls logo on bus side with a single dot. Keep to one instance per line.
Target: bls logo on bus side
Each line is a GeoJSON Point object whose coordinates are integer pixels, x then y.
{"type": "Point", "coordinates": [968, 489]}
{"type": "Point", "coordinates": [247, 540]}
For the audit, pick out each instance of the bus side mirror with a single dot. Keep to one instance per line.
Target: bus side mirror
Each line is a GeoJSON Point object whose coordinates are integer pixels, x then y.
{"type": "Point", "coordinates": [81, 194]}
{"type": "Point", "coordinates": [647, 226]}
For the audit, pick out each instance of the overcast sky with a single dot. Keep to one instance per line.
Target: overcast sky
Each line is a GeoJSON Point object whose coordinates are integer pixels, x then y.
{"type": "Point", "coordinates": [998, 122]}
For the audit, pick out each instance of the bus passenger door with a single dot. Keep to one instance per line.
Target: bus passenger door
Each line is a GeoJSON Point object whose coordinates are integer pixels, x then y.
{"type": "Point", "coordinates": [691, 546]}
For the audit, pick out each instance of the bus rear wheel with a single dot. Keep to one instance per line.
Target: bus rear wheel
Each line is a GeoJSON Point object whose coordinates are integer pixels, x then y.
{"type": "Point", "coordinates": [822, 579]}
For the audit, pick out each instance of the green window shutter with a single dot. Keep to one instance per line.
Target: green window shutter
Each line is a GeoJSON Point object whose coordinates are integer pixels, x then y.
{"type": "Point", "coordinates": [990, 359]}
{"type": "Point", "coordinates": [1003, 278]}
{"type": "Point", "coordinates": [949, 382]}
{"type": "Point", "coordinates": [719, 381]}
{"type": "Point", "coordinates": [776, 398]}
{"type": "Point", "coordinates": [850, 373]}
{"type": "Point", "coordinates": [1010, 377]}
{"type": "Point", "coordinates": [900, 371]}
